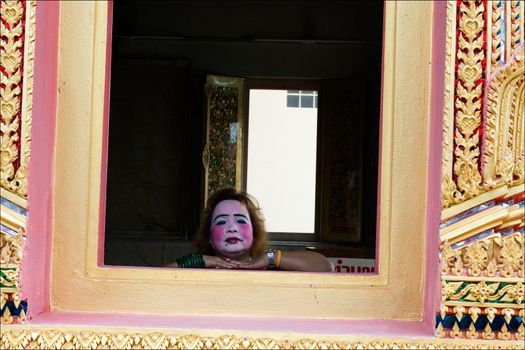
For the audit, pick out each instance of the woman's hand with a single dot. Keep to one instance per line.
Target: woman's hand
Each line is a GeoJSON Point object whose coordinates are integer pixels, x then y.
{"type": "Point", "coordinates": [258, 263]}
{"type": "Point", "coordinates": [215, 262]}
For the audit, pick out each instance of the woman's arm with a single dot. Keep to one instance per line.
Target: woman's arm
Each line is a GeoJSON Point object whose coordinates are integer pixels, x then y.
{"type": "Point", "coordinates": [304, 260]}
{"type": "Point", "coordinates": [293, 260]}
{"type": "Point", "coordinates": [210, 262]}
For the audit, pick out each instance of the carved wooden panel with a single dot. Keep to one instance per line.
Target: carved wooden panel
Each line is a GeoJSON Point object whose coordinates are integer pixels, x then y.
{"type": "Point", "coordinates": [222, 156]}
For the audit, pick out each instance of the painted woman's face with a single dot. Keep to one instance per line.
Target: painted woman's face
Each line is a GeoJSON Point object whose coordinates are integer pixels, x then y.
{"type": "Point", "coordinates": [231, 230]}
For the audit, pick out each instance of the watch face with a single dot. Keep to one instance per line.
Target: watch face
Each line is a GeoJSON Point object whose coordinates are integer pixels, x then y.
{"type": "Point", "coordinates": [271, 258]}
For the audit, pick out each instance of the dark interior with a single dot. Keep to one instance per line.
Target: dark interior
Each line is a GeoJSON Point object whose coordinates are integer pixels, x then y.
{"type": "Point", "coordinates": [161, 54]}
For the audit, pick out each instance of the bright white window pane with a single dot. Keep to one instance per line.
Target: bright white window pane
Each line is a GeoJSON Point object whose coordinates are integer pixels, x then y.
{"type": "Point", "coordinates": [282, 161]}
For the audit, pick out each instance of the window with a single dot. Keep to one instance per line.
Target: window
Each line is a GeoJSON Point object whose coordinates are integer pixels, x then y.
{"type": "Point", "coordinates": [153, 206]}
{"type": "Point", "coordinates": [79, 198]}
{"type": "Point", "coordinates": [301, 99]}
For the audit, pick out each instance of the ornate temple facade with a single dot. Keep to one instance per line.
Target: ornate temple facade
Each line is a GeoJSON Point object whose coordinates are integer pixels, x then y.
{"type": "Point", "coordinates": [450, 211]}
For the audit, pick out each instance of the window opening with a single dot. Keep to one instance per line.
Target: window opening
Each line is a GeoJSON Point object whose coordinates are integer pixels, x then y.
{"type": "Point", "coordinates": [301, 99]}
{"type": "Point", "coordinates": [156, 177]}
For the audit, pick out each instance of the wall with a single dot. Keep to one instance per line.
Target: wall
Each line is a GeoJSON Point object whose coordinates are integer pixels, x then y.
{"type": "Point", "coordinates": [55, 330]}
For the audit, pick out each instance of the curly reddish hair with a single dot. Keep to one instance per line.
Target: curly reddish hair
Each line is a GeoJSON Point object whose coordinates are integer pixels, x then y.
{"type": "Point", "coordinates": [202, 238]}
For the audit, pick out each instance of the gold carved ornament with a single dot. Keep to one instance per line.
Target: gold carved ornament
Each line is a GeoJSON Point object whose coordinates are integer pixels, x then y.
{"type": "Point", "coordinates": [487, 333]}
{"type": "Point", "coordinates": [17, 62]}
{"type": "Point", "coordinates": [515, 27]}
{"type": "Point", "coordinates": [447, 185]}
{"type": "Point", "coordinates": [469, 56]}
{"type": "Point", "coordinates": [483, 292]}
{"type": "Point", "coordinates": [16, 58]}
{"type": "Point", "coordinates": [493, 256]}
{"type": "Point", "coordinates": [496, 37]}
{"type": "Point", "coordinates": [10, 258]}
{"type": "Point", "coordinates": [89, 339]}
{"type": "Point", "coordinates": [504, 139]}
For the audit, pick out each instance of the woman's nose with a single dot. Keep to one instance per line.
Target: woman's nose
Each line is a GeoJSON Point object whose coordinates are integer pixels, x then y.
{"type": "Point", "coordinates": [232, 228]}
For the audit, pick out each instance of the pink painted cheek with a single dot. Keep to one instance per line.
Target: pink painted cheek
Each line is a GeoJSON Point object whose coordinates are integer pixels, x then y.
{"type": "Point", "coordinates": [246, 232]}
{"type": "Point", "coordinates": [217, 234]}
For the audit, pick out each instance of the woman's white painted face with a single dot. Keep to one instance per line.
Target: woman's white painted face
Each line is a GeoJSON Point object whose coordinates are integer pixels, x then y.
{"type": "Point", "coordinates": [231, 230]}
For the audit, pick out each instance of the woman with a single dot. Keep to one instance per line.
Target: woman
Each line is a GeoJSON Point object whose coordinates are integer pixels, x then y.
{"type": "Point", "coordinates": [232, 236]}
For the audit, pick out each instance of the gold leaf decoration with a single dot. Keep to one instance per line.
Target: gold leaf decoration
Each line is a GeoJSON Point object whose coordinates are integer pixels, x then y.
{"type": "Point", "coordinates": [476, 258]}
{"type": "Point", "coordinates": [469, 56]}
{"type": "Point", "coordinates": [503, 136]}
{"type": "Point", "coordinates": [481, 291]}
{"type": "Point", "coordinates": [101, 339]}
{"type": "Point", "coordinates": [496, 30]}
{"type": "Point", "coordinates": [15, 123]}
{"type": "Point", "coordinates": [506, 256]}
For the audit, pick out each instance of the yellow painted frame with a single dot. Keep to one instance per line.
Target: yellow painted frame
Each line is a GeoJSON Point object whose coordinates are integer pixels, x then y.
{"type": "Point", "coordinates": [397, 292]}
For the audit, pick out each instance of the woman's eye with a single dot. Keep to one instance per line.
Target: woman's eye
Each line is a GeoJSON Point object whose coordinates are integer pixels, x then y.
{"type": "Point", "coordinates": [220, 222]}
{"type": "Point", "coordinates": [242, 221]}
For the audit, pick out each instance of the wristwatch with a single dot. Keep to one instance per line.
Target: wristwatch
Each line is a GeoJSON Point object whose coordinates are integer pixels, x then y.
{"type": "Point", "coordinates": [270, 254]}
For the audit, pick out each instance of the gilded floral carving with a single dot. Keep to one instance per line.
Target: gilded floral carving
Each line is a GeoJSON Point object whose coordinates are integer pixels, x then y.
{"type": "Point", "coordinates": [492, 256]}
{"type": "Point", "coordinates": [469, 56]}
{"type": "Point", "coordinates": [10, 257]}
{"type": "Point", "coordinates": [10, 250]}
{"type": "Point", "coordinates": [29, 338]}
{"type": "Point", "coordinates": [16, 76]}
{"type": "Point", "coordinates": [480, 165]}
{"type": "Point", "coordinates": [497, 45]}
{"type": "Point", "coordinates": [504, 149]}
{"type": "Point", "coordinates": [448, 186]}
{"type": "Point", "coordinates": [476, 259]}
{"type": "Point", "coordinates": [515, 28]}
{"type": "Point", "coordinates": [15, 120]}
{"type": "Point", "coordinates": [484, 292]}
{"type": "Point", "coordinates": [511, 256]}
{"type": "Point", "coordinates": [467, 105]}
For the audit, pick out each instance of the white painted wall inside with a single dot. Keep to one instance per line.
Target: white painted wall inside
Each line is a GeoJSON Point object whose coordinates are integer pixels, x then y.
{"type": "Point", "coordinates": [282, 161]}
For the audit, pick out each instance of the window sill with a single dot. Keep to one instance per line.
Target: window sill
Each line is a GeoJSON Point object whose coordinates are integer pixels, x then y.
{"type": "Point", "coordinates": [56, 329]}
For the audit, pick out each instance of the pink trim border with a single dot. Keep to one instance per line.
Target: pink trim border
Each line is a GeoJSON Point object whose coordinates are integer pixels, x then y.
{"type": "Point", "coordinates": [35, 265]}
{"type": "Point", "coordinates": [432, 277]}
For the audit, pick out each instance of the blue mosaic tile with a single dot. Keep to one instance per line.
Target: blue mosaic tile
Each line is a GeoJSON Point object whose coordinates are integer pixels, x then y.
{"type": "Point", "coordinates": [514, 323]}
{"type": "Point", "coordinates": [465, 322]}
{"type": "Point", "coordinates": [507, 232]}
{"type": "Point", "coordinates": [13, 206]}
{"type": "Point", "coordinates": [438, 320]}
{"type": "Point", "coordinates": [450, 320]}
{"type": "Point", "coordinates": [13, 310]}
{"type": "Point", "coordinates": [481, 323]}
{"type": "Point", "coordinates": [7, 230]}
{"type": "Point", "coordinates": [497, 323]}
